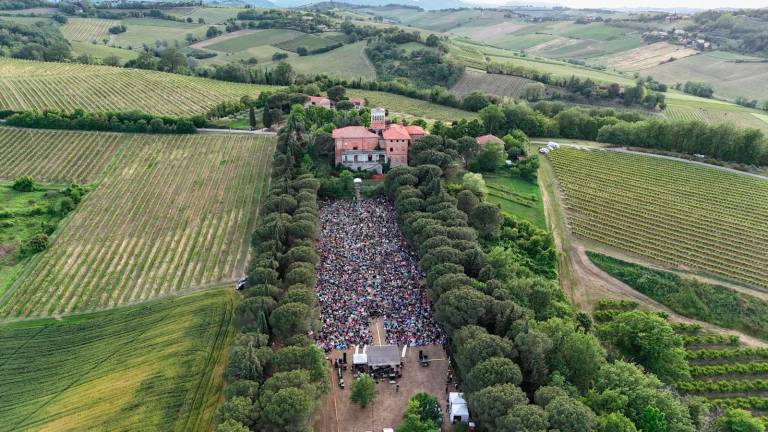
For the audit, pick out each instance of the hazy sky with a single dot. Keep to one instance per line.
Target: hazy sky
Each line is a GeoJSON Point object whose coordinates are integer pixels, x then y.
{"type": "Point", "coordinates": [699, 4]}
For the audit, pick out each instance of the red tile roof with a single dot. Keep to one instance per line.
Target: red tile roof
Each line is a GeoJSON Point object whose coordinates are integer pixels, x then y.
{"type": "Point", "coordinates": [353, 132]}
{"type": "Point", "coordinates": [415, 130]}
{"type": "Point", "coordinates": [396, 132]}
{"type": "Point", "coordinates": [318, 99]}
{"type": "Point", "coordinates": [483, 140]}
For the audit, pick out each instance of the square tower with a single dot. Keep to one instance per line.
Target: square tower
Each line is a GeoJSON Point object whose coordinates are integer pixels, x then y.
{"type": "Point", "coordinates": [378, 119]}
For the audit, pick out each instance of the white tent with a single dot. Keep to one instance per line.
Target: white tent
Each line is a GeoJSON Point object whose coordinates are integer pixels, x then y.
{"type": "Point", "coordinates": [458, 407]}
{"type": "Point", "coordinates": [359, 359]}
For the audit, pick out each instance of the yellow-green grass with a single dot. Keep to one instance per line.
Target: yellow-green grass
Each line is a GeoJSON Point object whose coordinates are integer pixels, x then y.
{"type": "Point", "coordinates": [348, 61]}
{"type": "Point", "coordinates": [100, 51]}
{"type": "Point", "coordinates": [517, 197]}
{"type": "Point", "coordinates": [680, 214]}
{"type": "Point", "coordinates": [255, 38]}
{"type": "Point", "coordinates": [729, 79]}
{"type": "Point", "coordinates": [148, 32]}
{"type": "Point", "coordinates": [262, 53]}
{"type": "Point", "coordinates": [87, 29]}
{"type": "Point", "coordinates": [57, 156]}
{"type": "Point", "coordinates": [152, 367]}
{"type": "Point", "coordinates": [172, 213]}
{"type": "Point", "coordinates": [40, 85]}
{"type": "Point", "coordinates": [412, 107]}
{"type": "Point", "coordinates": [308, 41]}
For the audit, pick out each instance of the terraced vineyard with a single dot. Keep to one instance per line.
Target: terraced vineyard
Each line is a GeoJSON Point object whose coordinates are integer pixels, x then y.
{"type": "Point", "coordinates": [728, 374]}
{"type": "Point", "coordinates": [173, 213]}
{"type": "Point", "coordinates": [498, 85]}
{"type": "Point", "coordinates": [681, 214]}
{"type": "Point", "coordinates": [79, 156]}
{"type": "Point", "coordinates": [153, 367]}
{"type": "Point", "coordinates": [87, 29]}
{"type": "Point", "coordinates": [28, 84]}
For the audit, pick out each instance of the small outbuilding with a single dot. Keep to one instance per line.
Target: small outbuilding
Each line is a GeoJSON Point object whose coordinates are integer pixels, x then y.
{"type": "Point", "coordinates": [457, 407]}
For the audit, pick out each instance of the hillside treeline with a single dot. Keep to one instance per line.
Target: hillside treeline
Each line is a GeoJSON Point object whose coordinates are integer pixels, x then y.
{"type": "Point", "coordinates": [744, 30]}
{"type": "Point", "coordinates": [23, 4]}
{"type": "Point", "coordinates": [129, 121]}
{"type": "Point", "coordinates": [40, 41]}
{"type": "Point", "coordinates": [721, 141]}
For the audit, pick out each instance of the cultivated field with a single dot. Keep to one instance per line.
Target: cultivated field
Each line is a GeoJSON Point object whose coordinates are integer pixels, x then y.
{"type": "Point", "coordinates": [498, 85]}
{"type": "Point", "coordinates": [57, 156]}
{"type": "Point", "coordinates": [517, 197]}
{"type": "Point", "coordinates": [680, 214]}
{"type": "Point", "coordinates": [403, 105]}
{"type": "Point", "coordinates": [250, 38]}
{"type": "Point", "coordinates": [87, 29]}
{"type": "Point", "coordinates": [156, 367]}
{"type": "Point", "coordinates": [708, 115]}
{"type": "Point", "coordinates": [648, 56]}
{"type": "Point", "coordinates": [28, 84]}
{"type": "Point", "coordinates": [348, 61]}
{"type": "Point", "coordinates": [730, 74]}
{"type": "Point", "coordinates": [173, 213]}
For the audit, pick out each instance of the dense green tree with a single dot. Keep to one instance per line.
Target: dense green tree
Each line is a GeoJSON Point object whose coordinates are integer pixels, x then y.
{"type": "Point", "coordinates": [232, 426]}
{"type": "Point", "coordinates": [569, 415]}
{"type": "Point", "coordinates": [534, 347]}
{"type": "Point", "coordinates": [486, 218]}
{"type": "Point", "coordinates": [363, 390]}
{"type": "Point", "coordinates": [290, 319]}
{"type": "Point", "coordinates": [492, 371]}
{"type": "Point", "coordinates": [650, 340]}
{"type": "Point", "coordinates": [738, 420]}
{"type": "Point", "coordinates": [523, 418]}
{"type": "Point", "coordinates": [337, 93]}
{"type": "Point", "coordinates": [461, 307]}
{"type": "Point", "coordinates": [246, 388]}
{"type": "Point", "coordinates": [240, 409]}
{"type": "Point", "coordinates": [491, 404]}
{"type": "Point", "coordinates": [615, 422]}
{"type": "Point", "coordinates": [288, 410]}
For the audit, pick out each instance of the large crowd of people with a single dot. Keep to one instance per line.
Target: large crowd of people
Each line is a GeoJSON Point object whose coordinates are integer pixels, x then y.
{"type": "Point", "coordinates": [367, 270]}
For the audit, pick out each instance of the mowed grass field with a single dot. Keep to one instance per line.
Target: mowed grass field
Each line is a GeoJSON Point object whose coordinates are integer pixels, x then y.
{"type": "Point", "coordinates": [152, 367]}
{"type": "Point", "coordinates": [683, 215]}
{"type": "Point", "coordinates": [173, 213]}
{"type": "Point", "coordinates": [517, 197]}
{"type": "Point", "coordinates": [348, 61]}
{"type": "Point", "coordinates": [39, 85]}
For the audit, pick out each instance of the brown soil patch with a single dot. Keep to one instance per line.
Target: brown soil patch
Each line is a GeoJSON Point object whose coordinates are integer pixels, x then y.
{"type": "Point", "coordinates": [339, 415]}
{"type": "Point", "coordinates": [648, 56]}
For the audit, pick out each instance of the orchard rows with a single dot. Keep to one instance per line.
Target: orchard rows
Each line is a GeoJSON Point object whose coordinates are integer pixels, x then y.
{"type": "Point", "coordinates": [678, 213]}
{"type": "Point", "coordinates": [79, 156]}
{"type": "Point", "coordinates": [173, 213]}
{"type": "Point", "coordinates": [27, 85]}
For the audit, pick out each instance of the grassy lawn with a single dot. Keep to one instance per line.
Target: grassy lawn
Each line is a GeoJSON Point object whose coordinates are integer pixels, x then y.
{"type": "Point", "coordinates": [308, 41]}
{"type": "Point", "coordinates": [102, 51]}
{"type": "Point", "coordinates": [348, 62]}
{"type": "Point", "coordinates": [511, 193]}
{"type": "Point", "coordinates": [22, 216]}
{"type": "Point", "coordinates": [155, 366]}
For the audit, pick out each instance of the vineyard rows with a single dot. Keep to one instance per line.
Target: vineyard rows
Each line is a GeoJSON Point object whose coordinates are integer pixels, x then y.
{"type": "Point", "coordinates": [87, 29]}
{"type": "Point", "coordinates": [674, 212]}
{"type": "Point", "coordinates": [173, 213]}
{"type": "Point", "coordinates": [27, 85]}
{"type": "Point", "coordinates": [79, 156]}
{"type": "Point", "coordinates": [742, 119]}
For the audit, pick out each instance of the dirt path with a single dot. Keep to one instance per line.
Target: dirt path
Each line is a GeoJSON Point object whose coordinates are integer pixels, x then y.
{"type": "Point", "coordinates": [378, 332]}
{"type": "Point", "coordinates": [585, 283]}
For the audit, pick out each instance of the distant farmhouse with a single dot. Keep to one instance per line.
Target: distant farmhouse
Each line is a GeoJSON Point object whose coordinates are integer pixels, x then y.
{"type": "Point", "coordinates": [358, 147]}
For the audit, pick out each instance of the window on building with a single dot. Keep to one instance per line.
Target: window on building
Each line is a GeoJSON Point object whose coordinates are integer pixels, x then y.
{"type": "Point", "coordinates": [391, 149]}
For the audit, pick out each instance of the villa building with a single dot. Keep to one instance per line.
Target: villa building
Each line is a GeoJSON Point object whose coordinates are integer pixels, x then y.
{"type": "Point", "coordinates": [358, 147]}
